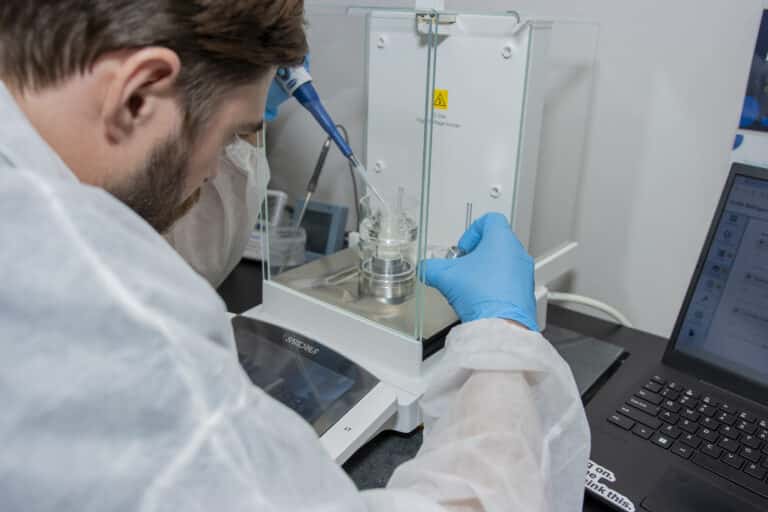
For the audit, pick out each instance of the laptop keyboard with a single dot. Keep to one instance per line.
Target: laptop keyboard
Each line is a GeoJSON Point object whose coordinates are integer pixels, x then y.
{"type": "Point", "coordinates": [709, 432]}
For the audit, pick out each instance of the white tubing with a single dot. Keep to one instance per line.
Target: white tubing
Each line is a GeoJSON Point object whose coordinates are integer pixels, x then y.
{"type": "Point", "coordinates": [592, 303]}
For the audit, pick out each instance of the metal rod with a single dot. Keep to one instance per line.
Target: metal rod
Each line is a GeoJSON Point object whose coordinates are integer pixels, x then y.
{"type": "Point", "coordinates": [303, 212]}
{"type": "Point", "coordinates": [468, 217]}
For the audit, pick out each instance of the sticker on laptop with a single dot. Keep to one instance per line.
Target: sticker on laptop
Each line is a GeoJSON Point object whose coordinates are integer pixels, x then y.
{"type": "Point", "coordinates": [596, 473]}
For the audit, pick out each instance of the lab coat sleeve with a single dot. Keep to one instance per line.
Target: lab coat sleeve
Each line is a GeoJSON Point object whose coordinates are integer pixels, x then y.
{"type": "Point", "coordinates": [505, 429]}
{"type": "Point", "coordinates": [120, 379]}
{"type": "Point", "coordinates": [213, 235]}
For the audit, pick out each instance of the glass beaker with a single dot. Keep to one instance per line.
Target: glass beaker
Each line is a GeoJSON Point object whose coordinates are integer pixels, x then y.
{"type": "Point", "coordinates": [388, 256]}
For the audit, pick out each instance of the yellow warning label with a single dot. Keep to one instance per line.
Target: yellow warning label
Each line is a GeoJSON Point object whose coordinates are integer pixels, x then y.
{"type": "Point", "coordinates": [441, 99]}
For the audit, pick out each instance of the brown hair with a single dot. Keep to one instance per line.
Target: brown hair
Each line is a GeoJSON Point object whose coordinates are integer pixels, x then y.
{"type": "Point", "coordinates": [221, 43]}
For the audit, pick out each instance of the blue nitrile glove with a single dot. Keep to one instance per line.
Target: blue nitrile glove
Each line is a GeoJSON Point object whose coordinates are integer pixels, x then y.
{"type": "Point", "coordinates": [750, 112]}
{"type": "Point", "coordinates": [493, 280]}
{"type": "Point", "coordinates": [277, 96]}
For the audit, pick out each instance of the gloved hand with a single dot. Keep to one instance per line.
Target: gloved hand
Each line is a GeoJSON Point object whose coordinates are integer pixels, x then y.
{"type": "Point", "coordinates": [493, 280]}
{"type": "Point", "coordinates": [277, 96]}
{"type": "Point", "coordinates": [750, 112]}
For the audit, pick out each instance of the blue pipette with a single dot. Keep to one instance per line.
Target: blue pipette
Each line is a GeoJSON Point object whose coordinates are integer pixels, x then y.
{"type": "Point", "coordinates": [297, 82]}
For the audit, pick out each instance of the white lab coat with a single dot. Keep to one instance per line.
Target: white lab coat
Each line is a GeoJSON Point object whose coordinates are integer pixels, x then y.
{"type": "Point", "coordinates": [121, 388]}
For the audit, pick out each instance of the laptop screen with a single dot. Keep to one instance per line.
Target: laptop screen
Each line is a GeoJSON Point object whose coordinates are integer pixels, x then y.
{"type": "Point", "coordinates": [726, 322]}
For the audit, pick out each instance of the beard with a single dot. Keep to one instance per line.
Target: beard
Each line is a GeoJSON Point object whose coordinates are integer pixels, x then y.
{"type": "Point", "coordinates": [155, 194]}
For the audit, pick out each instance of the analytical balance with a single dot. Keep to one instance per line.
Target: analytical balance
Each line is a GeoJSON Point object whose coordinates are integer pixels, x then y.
{"type": "Point", "coordinates": [452, 108]}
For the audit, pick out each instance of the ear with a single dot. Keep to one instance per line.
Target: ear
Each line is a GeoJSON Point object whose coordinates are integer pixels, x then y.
{"type": "Point", "coordinates": [140, 86]}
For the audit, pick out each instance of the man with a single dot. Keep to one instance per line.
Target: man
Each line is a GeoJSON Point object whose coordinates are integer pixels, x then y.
{"type": "Point", "coordinates": [120, 384]}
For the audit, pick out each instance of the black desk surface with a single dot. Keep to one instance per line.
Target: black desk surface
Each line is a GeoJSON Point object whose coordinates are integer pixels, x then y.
{"type": "Point", "coordinates": [373, 464]}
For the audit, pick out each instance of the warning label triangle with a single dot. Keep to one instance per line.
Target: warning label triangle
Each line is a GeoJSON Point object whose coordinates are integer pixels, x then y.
{"type": "Point", "coordinates": [441, 99]}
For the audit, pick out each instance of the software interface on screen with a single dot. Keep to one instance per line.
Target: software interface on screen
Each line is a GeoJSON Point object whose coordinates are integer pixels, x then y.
{"type": "Point", "coordinates": [726, 323]}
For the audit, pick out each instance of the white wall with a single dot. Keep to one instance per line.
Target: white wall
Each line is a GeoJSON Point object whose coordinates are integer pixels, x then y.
{"type": "Point", "coordinates": [668, 93]}
{"type": "Point", "coordinates": [668, 96]}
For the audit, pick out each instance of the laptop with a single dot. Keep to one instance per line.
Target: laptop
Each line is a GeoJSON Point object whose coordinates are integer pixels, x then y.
{"type": "Point", "coordinates": [691, 434]}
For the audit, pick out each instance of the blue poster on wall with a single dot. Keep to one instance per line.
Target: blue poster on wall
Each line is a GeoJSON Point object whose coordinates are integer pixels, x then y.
{"type": "Point", "coordinates": [754, 115]}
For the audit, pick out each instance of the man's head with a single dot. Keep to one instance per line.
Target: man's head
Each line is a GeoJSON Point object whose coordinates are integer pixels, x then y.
{"type": "Point", "coordinates": [139, 97]}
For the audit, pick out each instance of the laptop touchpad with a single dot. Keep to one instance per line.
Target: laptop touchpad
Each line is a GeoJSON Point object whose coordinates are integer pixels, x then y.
{"type": "Point", "coordinates": [680, 491]}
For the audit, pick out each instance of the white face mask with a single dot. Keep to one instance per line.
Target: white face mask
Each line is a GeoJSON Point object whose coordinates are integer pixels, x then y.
{"type": "Point", "coordinates": [249, 158]}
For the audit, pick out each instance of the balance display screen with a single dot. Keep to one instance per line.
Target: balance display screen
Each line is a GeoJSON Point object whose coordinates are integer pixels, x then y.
{"type": "Point", "coordinates": [303, 385]}
{"type": "Point", "coordinates": [726, 323]}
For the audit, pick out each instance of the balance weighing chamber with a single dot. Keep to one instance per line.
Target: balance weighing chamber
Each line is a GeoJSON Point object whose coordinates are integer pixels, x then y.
{"type": "Point", "coordinates": [451, 107]}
